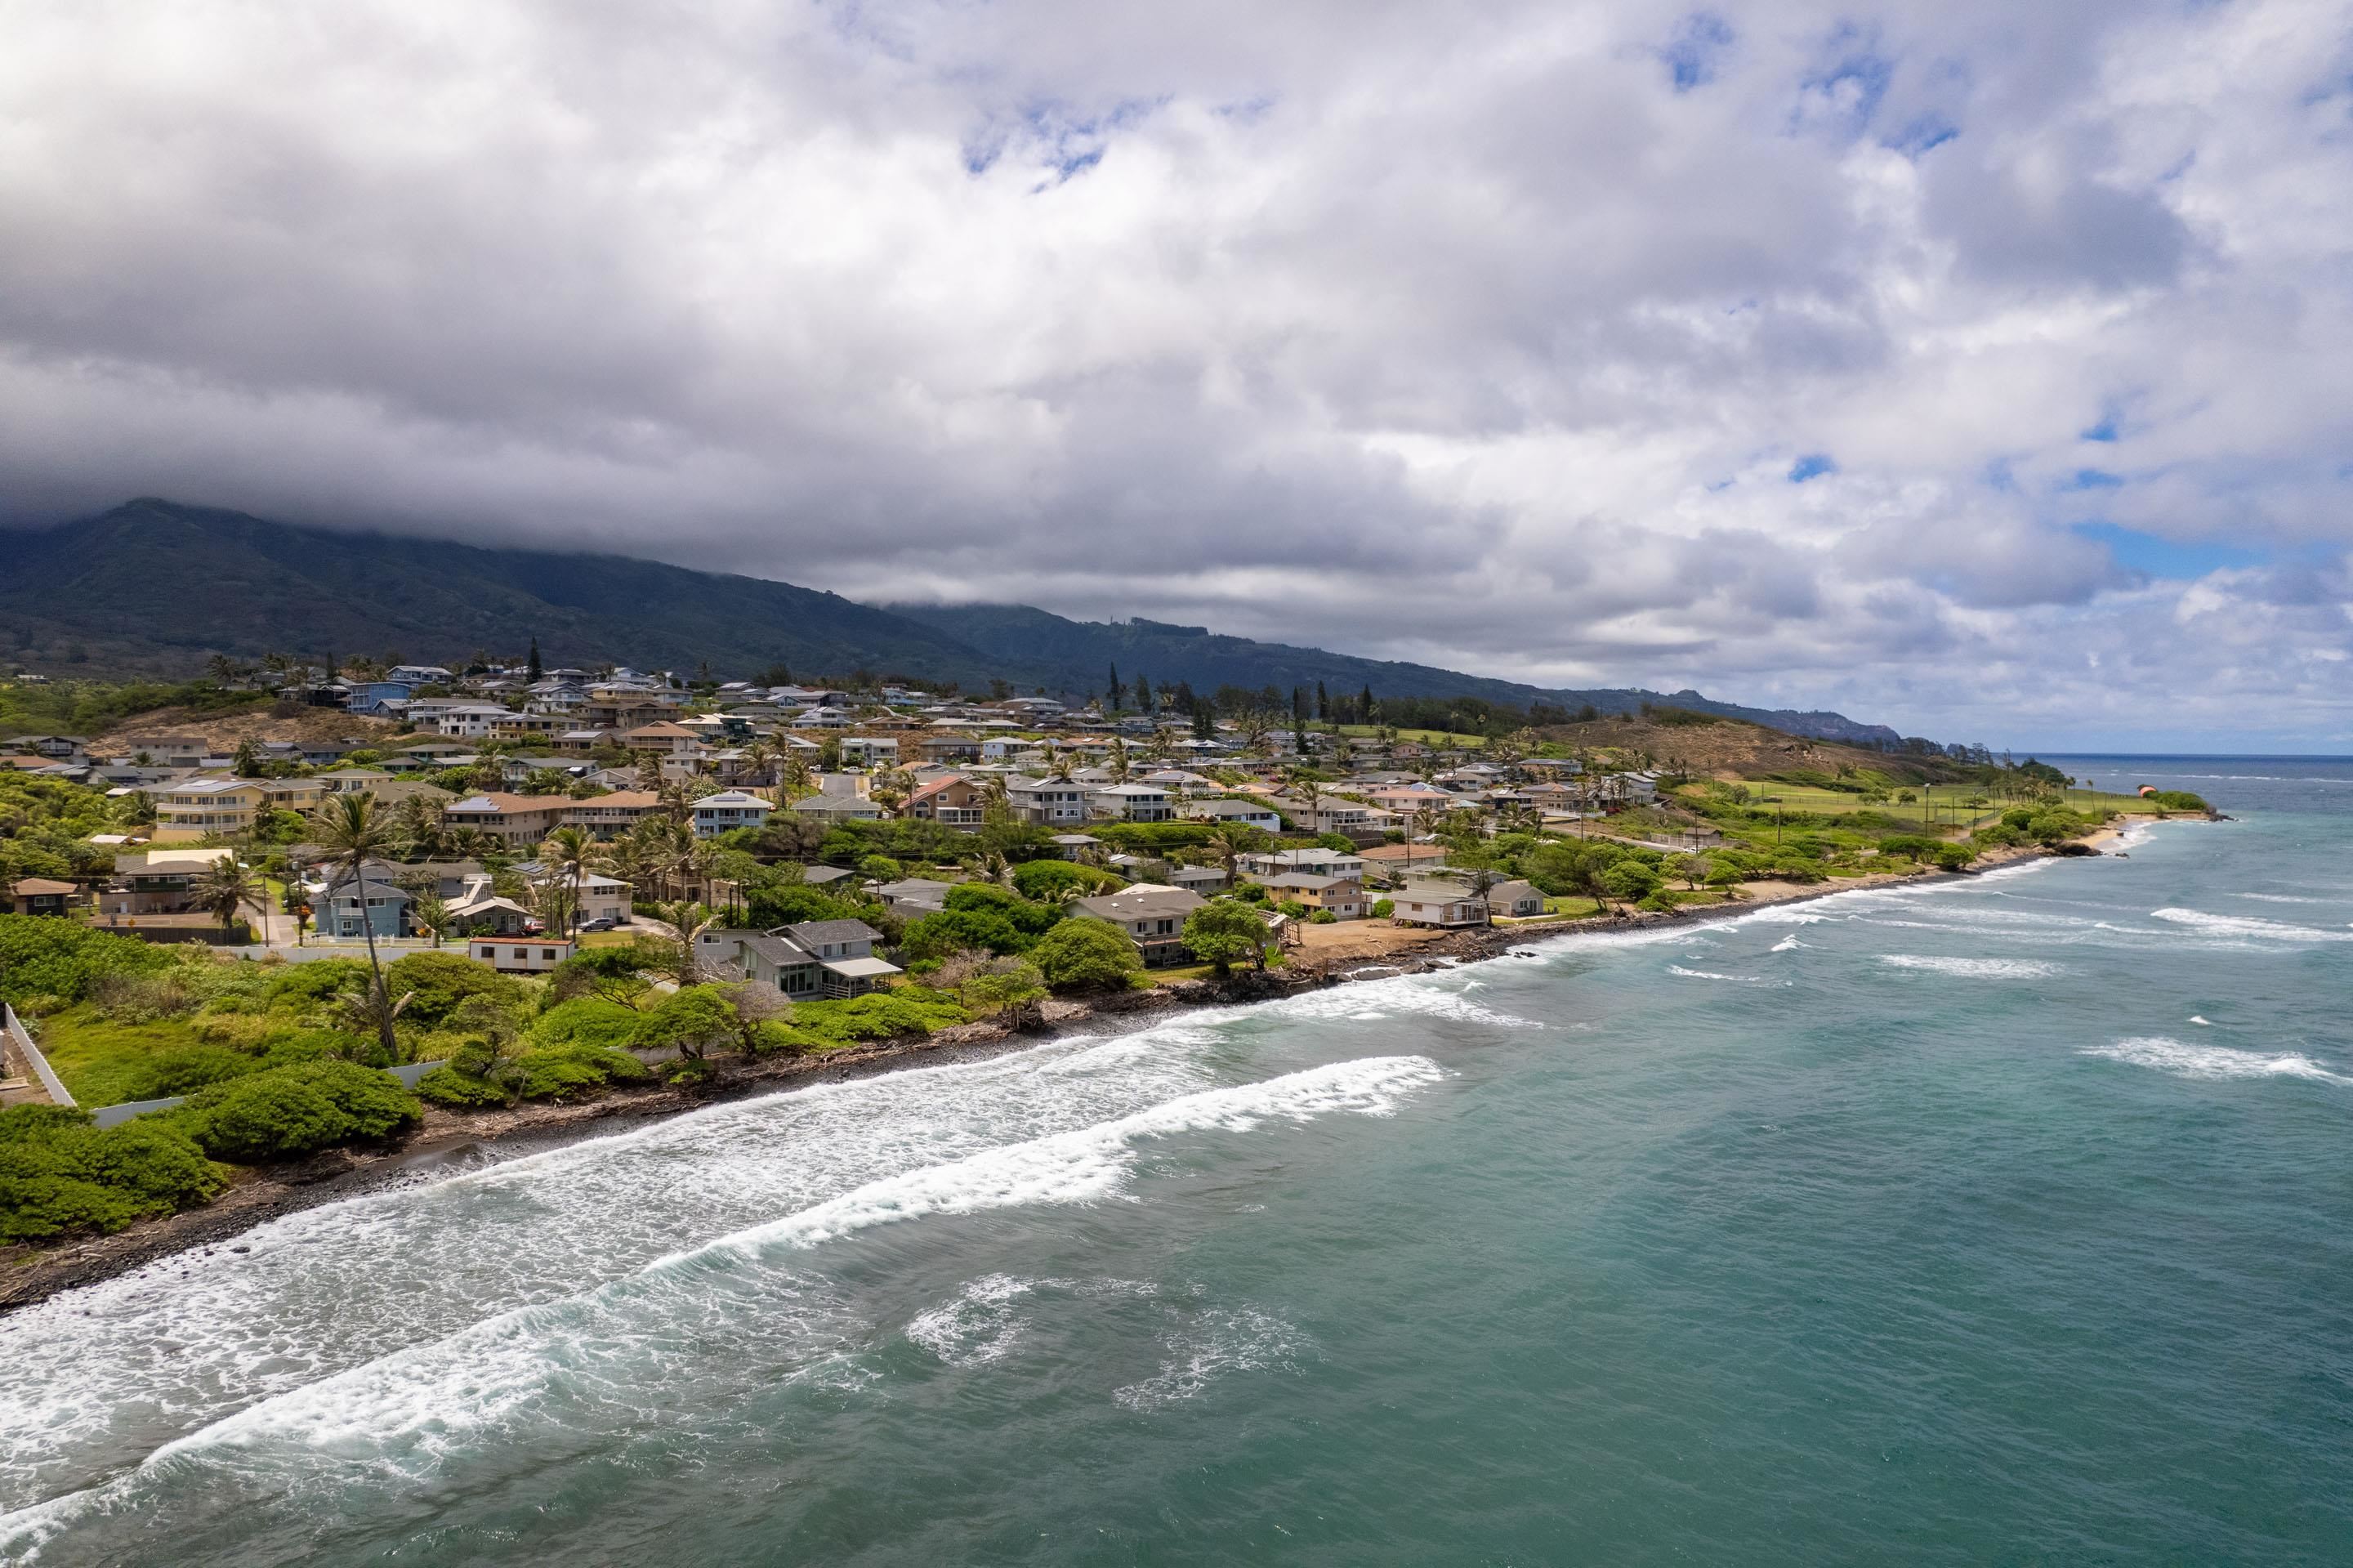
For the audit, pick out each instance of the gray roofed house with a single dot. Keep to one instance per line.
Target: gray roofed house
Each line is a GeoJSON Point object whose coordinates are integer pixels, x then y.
{"type": "Point", "coordinates": [836, 939]}
{"type": "Point", "coordinates": [1153, 917]}
{"type": "Point", "coordinates": [827, 959]}
{"type": "Point", "coordinates": [915, 896]}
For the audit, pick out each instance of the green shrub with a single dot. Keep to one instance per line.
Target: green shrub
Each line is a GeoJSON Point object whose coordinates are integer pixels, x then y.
{"type": "Point", "coordinates": [588, 1021]}
{"type": "Point", "coordinates": [553, 1071]}
{"type": "Point", "coordinates": [1323, 917]}
{"type": "Point", "coordinates": [879, 1015]}
{"type": "Point", "coordinates": [692, 1019]}
{"type": "Point", "coordinates": [190, 1068]}
{"type": "Point", "coordinates": [283, 1112]}
{"type": "Point", "coordinates": [59, 1174]}
{"type": "Point", "coordinates": [1043, 879]}
{"type": "Point", "coordinates": [1384, 907]}
{"type": "Point", "coordinates": [437, 985]}
{"type": "Point", "coordinates": [447, 1087]}
{"type": "Point", "coordinates": [42, 956]}
{"type": "Point", "coordinates": [1087, 955]}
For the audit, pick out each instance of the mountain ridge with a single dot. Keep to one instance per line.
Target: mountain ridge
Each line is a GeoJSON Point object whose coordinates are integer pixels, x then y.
{"type": "Point", "coordinates": [154, 586]}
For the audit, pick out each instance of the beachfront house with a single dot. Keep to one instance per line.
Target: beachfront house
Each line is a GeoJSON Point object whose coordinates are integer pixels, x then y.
{"type": "Point", "coordinates": [1343, 897]}
{"type": "Point", "coordinates": [1153, 916]}
{"type": "Point", "coordinates": [1446, 905]}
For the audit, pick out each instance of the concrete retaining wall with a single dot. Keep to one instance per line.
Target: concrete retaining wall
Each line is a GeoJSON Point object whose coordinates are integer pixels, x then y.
{"type": "Point", "coordinates": [115, 1115]}
{"type": "Point", "coordinates": [21, 1046]}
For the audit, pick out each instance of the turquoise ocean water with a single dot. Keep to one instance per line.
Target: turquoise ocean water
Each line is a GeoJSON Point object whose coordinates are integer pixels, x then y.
{"type": "Point", "coordinates": [2007, 1220]}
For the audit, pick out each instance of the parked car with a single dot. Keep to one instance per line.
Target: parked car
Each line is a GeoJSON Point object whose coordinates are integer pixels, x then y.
{"type": "Point", "coordinates": [602, 923]}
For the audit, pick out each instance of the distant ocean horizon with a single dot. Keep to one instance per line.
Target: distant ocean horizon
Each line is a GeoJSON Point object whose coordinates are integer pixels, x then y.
{"type": "Point", "coordinates": [2001, 1219]}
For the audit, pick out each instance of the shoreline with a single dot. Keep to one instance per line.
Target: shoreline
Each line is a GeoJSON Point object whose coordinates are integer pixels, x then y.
{"type": "Point", "coordinates": [448, 1140]}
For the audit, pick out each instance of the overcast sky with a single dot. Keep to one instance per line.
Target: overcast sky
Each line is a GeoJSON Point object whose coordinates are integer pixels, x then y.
{"type": "Point", "coordinates": [1980, 369]}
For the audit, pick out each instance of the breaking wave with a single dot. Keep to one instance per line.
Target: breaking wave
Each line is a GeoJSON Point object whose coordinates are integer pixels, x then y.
{"type": "Point", "coordinates": [2248, 926]}
{"type": "Point", "coordinates": [1977, 968]}
{"type": "Point", "coordinates": [2188, 1061]}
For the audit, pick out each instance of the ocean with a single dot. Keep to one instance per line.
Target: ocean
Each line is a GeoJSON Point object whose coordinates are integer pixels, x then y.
{"type": "Point", "coordinates": [2003, 1220]}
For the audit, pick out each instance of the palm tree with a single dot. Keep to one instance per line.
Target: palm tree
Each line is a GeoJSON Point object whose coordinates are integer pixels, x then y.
{"type": "Point", "coordinates": [682, 923]}
{"type": "Point", "coordinates": [226, 888]}
{"type": "Point", "coordinates": [760, 762]}
{"type": "Point", "coordinates": [222, 669]}
{"type": "Point", "coordinates": [418, 820]}
{"type": "Point", "coordinates": [1117, 760]}
{"type": "Point", "coordinates": [889, 791]}
{"type": "Point", "coordinates": [430, 912]}
{"type": "Point", "coordinates": [1231, 841]}
{"type": "Point", "coordinates": [566, 854]}
{"type": "Point", "coordinates": [994, 791]}
{"type": "Point", "coordinates": [351, 832]}
{"type": "Point", "coordinates": [798, 778]}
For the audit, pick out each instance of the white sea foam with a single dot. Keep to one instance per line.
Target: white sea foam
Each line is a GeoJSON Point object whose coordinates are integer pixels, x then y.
{"type": "Point", "coordinates": [2247, 925]}
{"type": "Point", "coordinates": [2189, 1061]}
{"type": "Point", "coordinates": [404, 1409]}
{"type": "Point", "coordinates": [2288, 898]}
{"type": "Point", "coordinates": [2207, 1021]}
{"type": "Point", "coordinates": [189, 1340]}
{"type": "Point", "coordinates": [1219, 1340]}
{"type": "Point", "coordinates": [1414, 995]}
{"type": "Point", "coordinates": [1788, 944]}
{"type": "Point", "coordinates": [1711, 975]}
{"type": "Point", "coordinates": [1977, 968]}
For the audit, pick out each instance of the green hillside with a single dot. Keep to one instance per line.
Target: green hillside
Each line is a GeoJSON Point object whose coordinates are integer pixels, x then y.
{"type": "Point", "coordinates": [154, 587]}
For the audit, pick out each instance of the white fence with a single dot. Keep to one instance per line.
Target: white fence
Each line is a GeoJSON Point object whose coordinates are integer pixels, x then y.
{"type": "Point", "coordinates": [20, 1042]}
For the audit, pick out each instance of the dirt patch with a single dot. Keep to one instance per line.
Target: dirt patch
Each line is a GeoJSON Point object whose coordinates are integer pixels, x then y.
{"type": "Point", "coordinates": [1732, 748]}
{"type": "Point", "coordinates": [223, 732]}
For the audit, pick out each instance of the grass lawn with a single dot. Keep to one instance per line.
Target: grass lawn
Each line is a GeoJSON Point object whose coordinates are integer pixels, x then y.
{"type": "Point", "coordinates": [605, 938]}
{"type": "Point", "coordinates": [101, 1062]}
{"type": "Point", "coordinates": [1575, 908]}
{"type": "Point", "coordinates": [1177, 972]}
{"type": "Point", "coordinates": [1943, 805]}
{"type": "Point", "coordinates": [1439, 737]}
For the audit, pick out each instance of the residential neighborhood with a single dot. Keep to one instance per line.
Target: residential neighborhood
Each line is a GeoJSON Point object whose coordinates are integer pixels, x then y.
{"type": "Point", "coordinates": [658, 780]}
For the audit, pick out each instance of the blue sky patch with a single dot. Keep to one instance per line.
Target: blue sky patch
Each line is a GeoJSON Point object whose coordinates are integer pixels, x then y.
{"type": "Point", "coordinates": [2092, 479]}
{"type": "Point", "coordinates": [2158, 557]}
{"type": "Point", "coordinates": [1697, 50]}
{"type": "Point", "coordinates": [1813, 465]}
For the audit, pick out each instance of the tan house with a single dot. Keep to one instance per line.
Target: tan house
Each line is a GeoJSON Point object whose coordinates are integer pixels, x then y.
{"type": "Point", "coordinates": [1343, 896]}
{"type": "Point", "coordinates": [603, 816]}
{"type": "Point", "coordinates": [667, 737]}
{"type": "Point", "coordinates": [1447, 905]}
{"type": "Point", "coordinates": [954, 802]}
{"type": "Point", "coordinates": [210, 808]}
{"type": "Point", "coordinates": [519, 822]}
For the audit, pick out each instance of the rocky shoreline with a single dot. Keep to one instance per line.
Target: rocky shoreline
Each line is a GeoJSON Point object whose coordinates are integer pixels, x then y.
{"type": "Point", "coordinates": [448, 1140]}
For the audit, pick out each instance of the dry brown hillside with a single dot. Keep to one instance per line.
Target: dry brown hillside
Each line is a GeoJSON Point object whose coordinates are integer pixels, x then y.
{"type": "Point", "coordinates": [1734, 748]}
{"type": "Point", "coordinates": [224, 731]}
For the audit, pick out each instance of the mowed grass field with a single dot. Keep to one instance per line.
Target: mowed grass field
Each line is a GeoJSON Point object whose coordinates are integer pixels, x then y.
{"type": "Point", "coordinates": [1420, 736]}
{"type": "Point", "coordinates": [1938, 805]}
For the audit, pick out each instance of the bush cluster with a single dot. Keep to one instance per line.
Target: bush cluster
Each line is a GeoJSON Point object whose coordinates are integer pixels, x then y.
{"type": "Point", "coordinates": [60, 1175]}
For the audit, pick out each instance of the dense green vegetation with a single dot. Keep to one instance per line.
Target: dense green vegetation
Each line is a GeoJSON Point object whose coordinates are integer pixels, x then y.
{"type": "Point", "coordinates": [59, 1174]}
{"type": "Point", "coordinates": [46, 823]}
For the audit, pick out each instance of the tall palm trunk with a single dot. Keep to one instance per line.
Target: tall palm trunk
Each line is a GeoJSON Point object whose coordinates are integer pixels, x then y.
{"type": "Point", "coordinates": [375, 966]}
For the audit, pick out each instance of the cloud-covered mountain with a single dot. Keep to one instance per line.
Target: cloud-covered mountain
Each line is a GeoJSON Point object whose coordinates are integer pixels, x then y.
{"type": "Point", "coordinates": [157, 587]}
